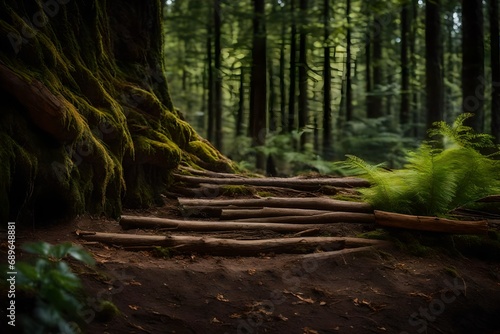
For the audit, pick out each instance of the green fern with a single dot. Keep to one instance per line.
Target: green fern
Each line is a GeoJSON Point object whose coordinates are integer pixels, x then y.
{"type": "Point", "coordinates": [435, 180]}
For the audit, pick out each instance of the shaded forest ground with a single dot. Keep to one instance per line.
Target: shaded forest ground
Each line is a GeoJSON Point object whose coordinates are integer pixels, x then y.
{"type": "Point", "coordinates": [381, 291]}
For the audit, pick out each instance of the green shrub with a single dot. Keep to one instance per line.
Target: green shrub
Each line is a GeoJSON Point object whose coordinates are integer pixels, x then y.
{"type": "Point", "coordinates": [52, 287]}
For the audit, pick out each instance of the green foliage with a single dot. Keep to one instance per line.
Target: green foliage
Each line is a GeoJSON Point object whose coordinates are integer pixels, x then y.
{"type": "Point", "coordinates": [435, 179]}
{"type": "Point", "coordinates": [375, 140]}
{"type": "Point", "coordinates": [53, 287]}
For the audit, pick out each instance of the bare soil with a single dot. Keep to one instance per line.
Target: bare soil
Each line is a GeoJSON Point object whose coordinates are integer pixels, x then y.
{"type": "Point", "coordinates": [385, 291]}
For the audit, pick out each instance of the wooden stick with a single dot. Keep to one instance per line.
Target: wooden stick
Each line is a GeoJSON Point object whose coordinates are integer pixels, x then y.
{"type": "Point", "coordinates": [334, 254]}
{"type": "Point", "coordinates": [128, 222]}
{"type": "Point", "coordinates": [324, 218]}
{"type": "Point", "coordinates": [221, 246]}
{"type": "Point", "coordinates": [432, 224]}
{"type": "Point", "coordinates": [315, 203]}
{"type": "Point", "coordinates": [302, 184]}
{"type": "Point", "coordinates": [231, 214]}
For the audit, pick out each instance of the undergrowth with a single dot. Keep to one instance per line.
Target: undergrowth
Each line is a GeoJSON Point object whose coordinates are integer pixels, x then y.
{"type": "Point", "coordinates": [439, 176]}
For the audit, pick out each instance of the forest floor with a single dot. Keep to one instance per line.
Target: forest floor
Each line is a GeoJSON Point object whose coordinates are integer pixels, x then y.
{"type": "Point", "coordinates": [380, 291]}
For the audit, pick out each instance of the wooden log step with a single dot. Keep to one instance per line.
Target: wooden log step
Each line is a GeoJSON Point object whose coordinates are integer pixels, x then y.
{"type": "Point", "coordinates": [127, 222]}
{"type": "Point", "coordinates": [228, 247]}
{"type": "Point", "coordinates": [295, 183]}
{"type": "Point", "coordinates": [314, 203]}
{"type": "Point", "coordinates": [324, 218]}
{"type": "Point", "coordinates": [232, 214]}
{"type": "Point", "coordinates": [431, 224]}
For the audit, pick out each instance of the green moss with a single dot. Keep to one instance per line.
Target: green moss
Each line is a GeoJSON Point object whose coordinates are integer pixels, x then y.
{"type": "Point", "coordinates": [106, 311]}
{"type": "Point", "coordinates": [264, 194]}
{"type": "Point", "coordinates": [231, 190]}
{"type": "Point", "coordinates": [378, 234]}
{"type": "Point", "coordinates": [117, 136]}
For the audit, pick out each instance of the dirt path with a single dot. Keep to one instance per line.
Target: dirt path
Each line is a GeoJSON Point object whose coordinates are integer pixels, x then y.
{"type": "Point", "coordinates": [378, 292]}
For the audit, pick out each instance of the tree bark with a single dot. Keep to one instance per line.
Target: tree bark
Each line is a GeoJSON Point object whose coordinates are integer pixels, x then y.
{"type": "Point", "coordinates": [95, 117]}
{"type": "Point", "coordinates": [258, 85]}
{"type": "Point", "coordinates": [495, 69]}
{"type": "Point", "coordinates": [303, 111]}
{"type": "Point", "coordinates": [431, 224]}
{"type": "Point", "coordinates": [433, 62]}
{"type": "Point", "coordinates": [348, 65]}
{"type": "Point", "coordinates": [218, 74]}
{"type": "Point", "coordinates": [473, 63]}
{"type": "Point", "coordinates": [327, 84]}
{"type": "Point", "coordinates": [293, 69]}
{"type": "Point", "coordinates": [405, 112]}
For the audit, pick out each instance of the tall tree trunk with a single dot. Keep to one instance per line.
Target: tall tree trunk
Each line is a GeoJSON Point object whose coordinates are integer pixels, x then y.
{"type": "Point", "coordinates": [211, 85]}
{"type": "Point", "coordinates": [368, 72]}
{"type": "Point", "coordinates": [303, 111]}
{"type": "Point", "coordinates": [405, 112]}
{"type": "Point", "coordinates": [495, 69]}
{"type": "Point", "coordinates": [293, 70]}
{"type": "Point", "coordinates": [258, 85]}
{"type": "Point", "coordinates": [348, 87]}
{"type": "Point", "coordinates": [218, 75]}
{"type": "Point", "coordinates": [241, 104]}
{"type": "Point", "coordinates": [473, 62]}
{"type": "Point", "coordinates": [283, 113]}
{"type": "Point", "coordinates": [272, 96]}
{"type": "Point", "coordinates": [327, 84]}
{"type": "Point", "coordinates": [415, 78]}
{"type": "Point", "coordinates": [377, 65]}
{"type": "Point", "coordinates": [79, 127]}
{"type": "Point", "coordinates": [433, 65]}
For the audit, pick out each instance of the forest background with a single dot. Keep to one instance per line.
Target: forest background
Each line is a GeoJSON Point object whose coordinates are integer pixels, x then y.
{"type": "Point", "coordinates": [292, 85]}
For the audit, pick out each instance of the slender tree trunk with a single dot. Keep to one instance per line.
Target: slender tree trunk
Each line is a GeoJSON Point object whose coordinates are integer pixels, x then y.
{"type": "Point", "coordinates": [258, 87]}
{"type": "Point", "coordinates": [241, 104]}
{"type": "Point", "coordinates": [348, 87]}
{"type": "Point", "coordinates": [284, 122]}
{"type": "Point", "coordinates": [415, 78]}
{"type": "Point", "coordinates": [433, 66]}
{"type": "Point", "coordinates": [272, 96]}
{"type": "Point", "coordinates": [327, 85]}
{"type": "Point", "coordinates": [377, 65]}
{"type": "Point", "coordinates": [368, 73]}
{"type": "Point", "coordinates": [210, 83]}
{"type": "Point", "coordinates": [473, 62]}
{"type": "Point", "coordinates": [303, 75]}
{"type": "Point", "coordinates": [218, 75]}
{"type": "Point", "coordinates": [405, 113]}
{"type": "Point", "coordinates": [495, 69]}
{"type": "Point", "coordinates": [293, 69]}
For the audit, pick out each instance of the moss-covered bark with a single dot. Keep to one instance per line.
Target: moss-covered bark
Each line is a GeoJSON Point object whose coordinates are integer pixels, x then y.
{"type": "Point", "coordinates": [86, 120]}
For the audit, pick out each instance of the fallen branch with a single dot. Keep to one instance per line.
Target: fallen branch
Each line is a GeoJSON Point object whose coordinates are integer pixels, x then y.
{"type": "Point", "coordinates": [324, 218]}
{"type": "Point", "coordinates": [295, 183]}
{"type": "Point", "coordinates": [342, 252]}
{"type": "Point", "coordinates": [315, 203]}
{"type": "Point", "coordinates": [431, 224]}
{"type": "Point", "coordinates": [128, 222]}
{"type": "Point", "coordinates": [231, 214]}
{"type": "Point", "coordinates": [227, 247]}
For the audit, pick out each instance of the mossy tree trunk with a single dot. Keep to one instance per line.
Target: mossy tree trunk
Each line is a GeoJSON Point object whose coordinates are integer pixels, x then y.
{"type": "Point", "coordinates": [86, 120]}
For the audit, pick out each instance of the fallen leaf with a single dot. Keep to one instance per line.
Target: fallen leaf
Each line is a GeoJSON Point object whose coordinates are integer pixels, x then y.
{"type": "Point", "coordinates": [133, 307]}
{"type": "Point", "coordinates": [322, 303]}
{"type": "Point", "coordinates": [134, 282]}
{"type": "Point", "coordinates": [215, 321]}
{"type": "Point", "coordinates": [307, 330]}
{"type": "Point", "coordinates": [251, 272]}
{"type": "Point", "coordinates": [235, 316]}
{"type": "Point", "coordinates": [221, 298]}
{"type": "Point", "coordinates": [282, 317]}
